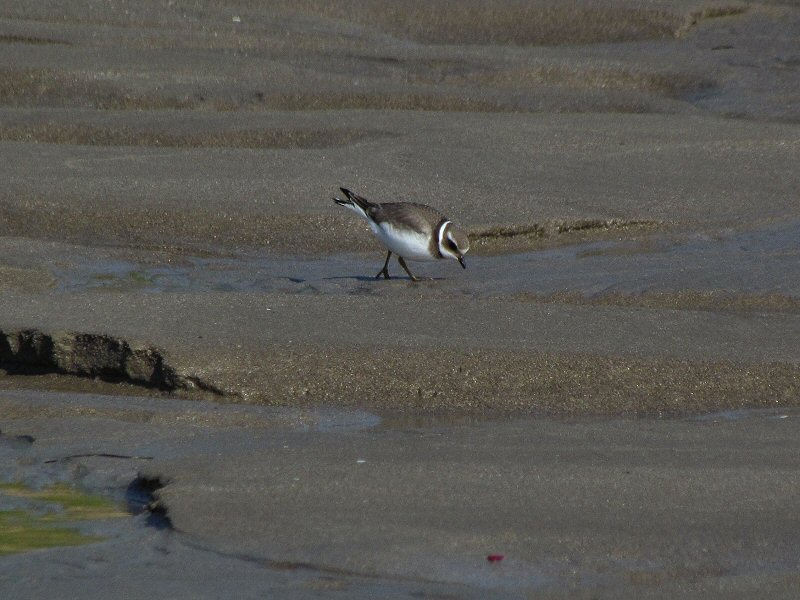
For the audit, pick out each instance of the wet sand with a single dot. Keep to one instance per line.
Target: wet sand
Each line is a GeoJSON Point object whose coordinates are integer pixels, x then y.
{"type": "Point", "coordinates": [628, 176]}
{"type": "Point", "coordinates": [301, 503]}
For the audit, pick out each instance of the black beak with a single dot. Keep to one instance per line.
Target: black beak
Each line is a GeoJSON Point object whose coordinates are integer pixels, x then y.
{"type": "Point", "coordinates": [461, 262]}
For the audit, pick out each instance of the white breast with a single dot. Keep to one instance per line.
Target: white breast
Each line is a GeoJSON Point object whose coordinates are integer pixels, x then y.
{"type": "Point", "coordinates": [408, 244]}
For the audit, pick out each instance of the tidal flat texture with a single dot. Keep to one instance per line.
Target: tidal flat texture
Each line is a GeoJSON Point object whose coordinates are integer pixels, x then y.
{"type": "Point", "coordinates": [627, 174]}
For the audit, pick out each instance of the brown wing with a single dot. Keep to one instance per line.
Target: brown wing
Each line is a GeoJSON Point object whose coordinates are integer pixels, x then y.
{"type": "Point", "coordinates": [423, 218]}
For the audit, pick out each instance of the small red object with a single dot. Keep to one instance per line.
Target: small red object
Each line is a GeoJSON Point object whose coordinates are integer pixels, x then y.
{"type": "Point", "coordinates": [492, 558]}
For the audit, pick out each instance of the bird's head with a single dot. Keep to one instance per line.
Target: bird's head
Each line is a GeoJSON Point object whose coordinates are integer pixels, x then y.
{"type": "Point", "coordinates": [453, 243]}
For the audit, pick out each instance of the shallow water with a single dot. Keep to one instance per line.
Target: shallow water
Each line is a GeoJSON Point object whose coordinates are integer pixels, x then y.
{"type": "Point", "coordinates": [758, 261]}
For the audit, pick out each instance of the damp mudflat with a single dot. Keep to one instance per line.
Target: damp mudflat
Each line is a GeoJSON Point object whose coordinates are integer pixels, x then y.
{"type": "Point", "coordinates": [289, 501]}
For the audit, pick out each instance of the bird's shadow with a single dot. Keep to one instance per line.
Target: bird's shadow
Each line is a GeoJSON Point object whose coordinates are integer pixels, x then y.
{"type": "Point", "coordinates": [366, 278]}
{"type": "Point", "coordinates": [361, 278]}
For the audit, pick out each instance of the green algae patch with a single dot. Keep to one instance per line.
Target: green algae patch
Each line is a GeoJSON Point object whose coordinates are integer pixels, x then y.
{"type": "Point", "coordinates": [48, 519]}
{"type": "Point", "coordinates": [21, 531]}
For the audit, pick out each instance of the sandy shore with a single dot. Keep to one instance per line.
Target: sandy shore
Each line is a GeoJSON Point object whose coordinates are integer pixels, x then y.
{"type": "Point", "coordinates": [628, 175]}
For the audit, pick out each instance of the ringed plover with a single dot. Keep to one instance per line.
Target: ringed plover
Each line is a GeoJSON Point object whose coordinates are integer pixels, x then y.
{"type": "Point", "coordinates": [410, 230]}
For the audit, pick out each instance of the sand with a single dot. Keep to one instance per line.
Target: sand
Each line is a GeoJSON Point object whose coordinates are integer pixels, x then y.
{"type": "Point", "coordinates": [627, 173]}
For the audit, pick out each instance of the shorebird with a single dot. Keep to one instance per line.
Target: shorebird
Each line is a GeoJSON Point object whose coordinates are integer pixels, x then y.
{"type": "Point", "coordinates": [410, 230]}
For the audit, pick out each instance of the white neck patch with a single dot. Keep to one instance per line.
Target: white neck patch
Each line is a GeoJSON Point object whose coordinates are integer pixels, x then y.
{"type": "Point", "coordinates": [442, 249]}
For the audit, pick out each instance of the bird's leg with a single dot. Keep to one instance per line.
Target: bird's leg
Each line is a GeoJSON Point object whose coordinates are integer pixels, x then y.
{"type": "Point", "coordinates": [385, 270]}
{"type": "Point", "coordinates": [405, 267]}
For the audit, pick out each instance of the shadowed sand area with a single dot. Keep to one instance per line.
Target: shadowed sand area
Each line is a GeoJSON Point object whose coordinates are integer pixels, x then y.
{"type": "Point", "coordinates": [627, 174]}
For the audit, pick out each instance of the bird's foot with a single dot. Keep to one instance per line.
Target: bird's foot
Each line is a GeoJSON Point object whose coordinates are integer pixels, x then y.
{"type": "Point", "coordinates": [403, 264]}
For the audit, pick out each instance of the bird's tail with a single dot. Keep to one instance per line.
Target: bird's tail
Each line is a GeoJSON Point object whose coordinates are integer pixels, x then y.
{"type": "Point", "coordinates": [355, 203]}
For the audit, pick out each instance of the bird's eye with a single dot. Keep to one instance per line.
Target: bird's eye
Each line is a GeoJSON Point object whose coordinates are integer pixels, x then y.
{"type": "Point", "coordinates": [451, 245]}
